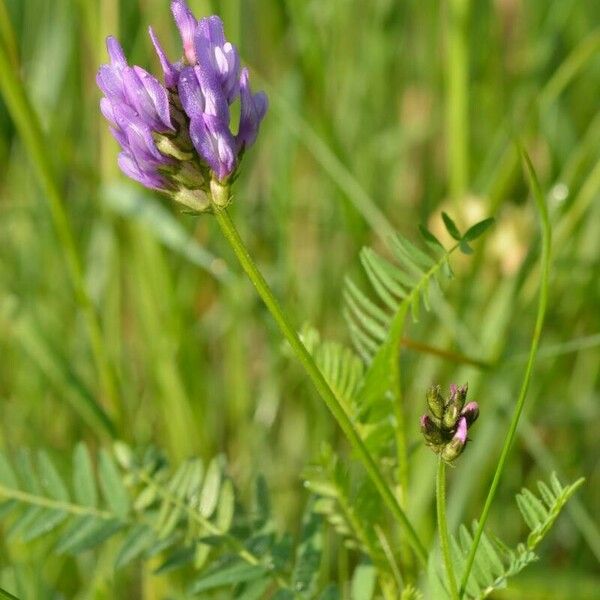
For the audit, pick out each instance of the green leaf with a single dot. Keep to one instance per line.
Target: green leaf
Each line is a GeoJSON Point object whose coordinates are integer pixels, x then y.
{"type": "Point", "coordinates": [172, 507]}
{"type": "Point", "coordinates": [112, 486]}
{"type": "Point", "coordinates": [139, 539]}
{"type": "Point", "coordinates": [465, 248]}
{"type": "Point", "coordinates": [201, 554]}
{"type": "Point", "coordinates": [51, 479]}
{"type": "Point", "coordinates": [451, 227]}
{"type": "Point", "coordinates": [363, 582]}
{"type": "Point", "coordinates": [405, 250]}
{"type": "Point", "coordinates": [308, 554]}
{"type": "Point", "coordinates": [7, 474]}
{"type": "Point", "coordinates": [255, 590]}
{"type": "Point", "coordinates": [229, 575]}
{"type": "Point", "coordinates": [432, 241]}
{"type": "Point", "coordinates": [180, 557]}
{"type": "Point", "coordinates": [226, 506]}
{"type": "Point", "coordinates": [84, 482]}
{"type": "Point", "coordinates": [46, 521]}
{"type": "Point", "coordinates": [262, 501]}
{"type": "Point", "coordinates": [4, 595]}
{"type": "Point", "coordinates": [478, 229]}
{"type": "Point", "coordinates": [22, 523]}
{"type": "Point", "coordinates": [210, 490]}
{"type": "Point", "coordinates": [85, 533]}
{"type": "Point", "coordinates": [331, 592]}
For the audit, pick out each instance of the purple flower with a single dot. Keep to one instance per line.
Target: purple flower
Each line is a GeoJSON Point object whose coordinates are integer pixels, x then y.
{"type": "Point", "coordinates": [158, 126]}
{"type": "Point", "coordinates": [470, 412]}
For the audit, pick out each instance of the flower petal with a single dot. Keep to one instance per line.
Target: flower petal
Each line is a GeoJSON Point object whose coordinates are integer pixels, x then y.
{"type": "Point", "coordinates": [158, 96]}
{"type": "Point", "coordinates": [171, 71]}
{"type": "Point", "coordinates": [115, 51]}
{"type": "Point", "coordinates": [253, 109]}
{"type": "Point", "coordinates": [214, 143]}
{"type": "Point", "coordinates": [190, 93]}
{"type": "Point", "coordinates": [187, 25]}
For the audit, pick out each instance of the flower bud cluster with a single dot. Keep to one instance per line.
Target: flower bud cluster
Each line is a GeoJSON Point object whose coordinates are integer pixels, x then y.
{"type": "Point", "coordinates": [176, 137]}
{"type": "Point", "coordinates": [445, 429]}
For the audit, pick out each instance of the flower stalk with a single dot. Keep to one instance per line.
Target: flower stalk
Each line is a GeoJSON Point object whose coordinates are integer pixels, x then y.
{"type": "Point", "coordinates": [312, 370]}
{"type": "Point", "coordinates": [443, 527]}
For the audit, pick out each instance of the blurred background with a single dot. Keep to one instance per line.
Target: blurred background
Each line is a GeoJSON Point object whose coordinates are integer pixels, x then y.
{"type": "Point", "coordinates": [383, 113]}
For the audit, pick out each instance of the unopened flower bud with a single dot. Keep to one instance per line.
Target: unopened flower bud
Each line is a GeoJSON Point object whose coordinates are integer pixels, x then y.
{"type": "Point", "coordinates": [451, 414]}
{"type": "Point", "coordinates": [453, 449]}
{"type": "Point", "coordinates": [470, 412]}
{"type": "Point", "coordinates": [446, 430]}
{"type": "Point", "coordinates": [458, 395]}
{"type": "Point", "coordinates": [435, 401]}
{"type": "Point", "coordinates": [432, 433]}
{"type": "Point", "coordinates": [195, 200]}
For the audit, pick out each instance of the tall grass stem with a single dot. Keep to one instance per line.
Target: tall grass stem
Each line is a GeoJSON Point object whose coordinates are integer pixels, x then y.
{"type": "Point", "coordinates": [457, 107]}
{"type": "Point", "coordinates": [541, 313]}
{"type": "Point", "coordinates": [28, 125]}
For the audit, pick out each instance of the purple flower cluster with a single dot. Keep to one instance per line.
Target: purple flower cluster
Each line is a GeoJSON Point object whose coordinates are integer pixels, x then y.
{"type": "Point", "coordinates": [177, 137]}
{"type": "Point", "coordinates": [446, 430]}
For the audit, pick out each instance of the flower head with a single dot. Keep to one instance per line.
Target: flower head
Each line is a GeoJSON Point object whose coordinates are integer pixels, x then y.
{"type": "Point", "coordinates": [177, 137]}
{"type": "Point", "coordinates": [446, 431]}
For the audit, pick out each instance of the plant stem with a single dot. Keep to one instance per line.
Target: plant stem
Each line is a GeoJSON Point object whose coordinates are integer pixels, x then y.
{"type": "Point", "coordinates": [231, 234]}
{"type": "Point", "coordinates": [457, 124]}
{"type": "Point", "coordinates": [541, 312]}
{"type": "Point", "coordinates": [28, 125]}
{"type": "Point", "coordinates": [443, 527]}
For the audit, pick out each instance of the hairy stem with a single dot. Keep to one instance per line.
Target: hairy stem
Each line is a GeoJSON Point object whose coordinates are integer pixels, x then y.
{"type": "Point", "coordinates": [443, 528]}
{"type": "Point", "coordinates": [541, 313]}
{"type": "Point", "coordinates": [231, 234]}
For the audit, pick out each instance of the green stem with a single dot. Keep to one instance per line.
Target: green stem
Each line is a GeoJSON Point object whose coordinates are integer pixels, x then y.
{"type": "Point", "coordinates": [457, 102]}
{"type": "Point", "coordinates": [231, 234]}
{"type": "Point", "coordinates": [28, 125]}
{"type": "Point", "coordinates": [42, 502]}
{"type": "Point", "coordinates": [443, 527]}
{"type": "Point", "coordinates": [541, 313]}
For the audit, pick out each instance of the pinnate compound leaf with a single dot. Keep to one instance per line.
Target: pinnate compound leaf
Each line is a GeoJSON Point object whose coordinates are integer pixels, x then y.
{"type": "Point", "coordinates": [495, 562]}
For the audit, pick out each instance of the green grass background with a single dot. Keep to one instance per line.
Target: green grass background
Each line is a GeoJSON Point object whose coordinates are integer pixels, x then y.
{"type": "Point", "coordinates": [383, 113]}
